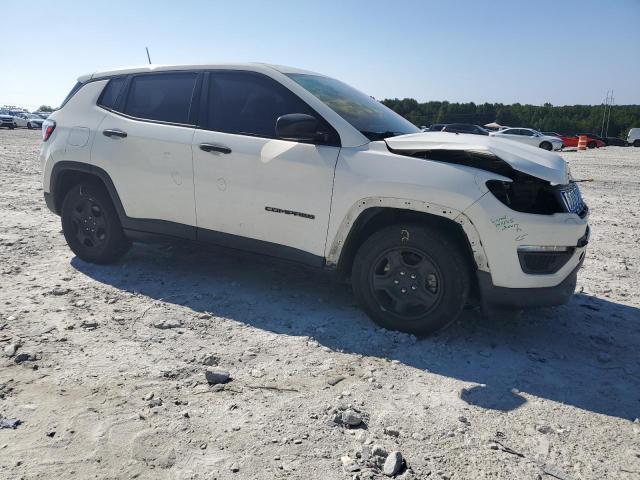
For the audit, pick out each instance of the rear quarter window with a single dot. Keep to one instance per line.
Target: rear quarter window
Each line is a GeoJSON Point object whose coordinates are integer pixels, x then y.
{"type": "Point", "coordinates": [111, 93]}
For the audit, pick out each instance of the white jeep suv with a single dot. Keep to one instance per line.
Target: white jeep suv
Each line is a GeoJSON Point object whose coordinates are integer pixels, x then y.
{"type": "Point", "coordinates": [297, 165]}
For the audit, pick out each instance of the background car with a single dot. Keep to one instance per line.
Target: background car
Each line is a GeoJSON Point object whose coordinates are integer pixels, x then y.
{"type": "Point", "coordinates": [634, 137]}
{"type": "Point", "coordinates": [465, 128]}
{"type": "Point", "coordinates": [7, 121]}
{"type": "Point", "coordinates": [593, 140]}
{"type": "Point", "coordinates": [43, 115]}
{"type": "Point", "coordinates": [615, 141]}
{"type": "Point", "coordinates": [437, 127]}
{"type": "Point", "coordinates": [530, 136]}
{"type": "Point", "coordinates": [28, 120]}
{"type": "Point", "coordinates": [572, 140]}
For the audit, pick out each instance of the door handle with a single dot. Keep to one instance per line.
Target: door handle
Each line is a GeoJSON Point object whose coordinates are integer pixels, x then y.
{"type": "Point", "coordinates": [210, 147]}
{"type": "Point", "coordinates": [114, 133]}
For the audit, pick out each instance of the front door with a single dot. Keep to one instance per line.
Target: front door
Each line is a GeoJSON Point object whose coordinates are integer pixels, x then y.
{"type": "Point", "coordinates": [253, 190]}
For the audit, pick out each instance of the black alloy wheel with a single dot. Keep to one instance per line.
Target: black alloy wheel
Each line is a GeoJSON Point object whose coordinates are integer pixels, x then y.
{"type": "Point", "coordinates": [411, 277]}
{"type": "Point", "coordinates": [91, 225]}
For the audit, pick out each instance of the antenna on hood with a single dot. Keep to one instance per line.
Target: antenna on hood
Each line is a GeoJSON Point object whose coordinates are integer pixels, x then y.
{"type": "Point", "coordinates": [148, 56]}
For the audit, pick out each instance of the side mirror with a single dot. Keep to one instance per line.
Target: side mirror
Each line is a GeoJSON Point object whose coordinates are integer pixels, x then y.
{"type": "Point", "coordinates": [299, 127]}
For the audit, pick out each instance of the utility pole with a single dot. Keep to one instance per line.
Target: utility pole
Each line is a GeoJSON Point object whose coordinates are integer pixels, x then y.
{"type": "Point", "coordinates": [148, 56]}
{"type": "Point", "coordinates": [604, 113]}
{"type": "Point", "coordinates": [609, 116]}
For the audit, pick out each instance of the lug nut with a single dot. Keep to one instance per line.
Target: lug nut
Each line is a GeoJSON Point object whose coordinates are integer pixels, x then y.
{"type": "Point", "coordinates": [403, 290]}
{"type": "Point", "coordinates": [413, 276]}
{"type": "Point", "coordinates": [401, 273]}
{"type": "Point", "coordinates": [413, 287]}
{"type": "Point", "coordinates": [396, 282]}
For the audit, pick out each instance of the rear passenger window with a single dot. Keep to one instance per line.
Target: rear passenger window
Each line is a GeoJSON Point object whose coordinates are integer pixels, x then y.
{"type": "Point", "coordinates": [249, 104]}
{"type": "Point", "coordinates": [111, 92]}
{"type": "Point", "coordinates": [161, 96]}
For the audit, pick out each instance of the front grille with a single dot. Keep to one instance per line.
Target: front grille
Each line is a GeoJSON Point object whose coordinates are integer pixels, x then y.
{"type": "Point", "coordinates": [572, 199]}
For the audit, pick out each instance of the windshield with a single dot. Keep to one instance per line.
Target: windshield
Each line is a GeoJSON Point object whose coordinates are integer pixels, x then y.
{"type": "Point", "coordinates": [370, 117]}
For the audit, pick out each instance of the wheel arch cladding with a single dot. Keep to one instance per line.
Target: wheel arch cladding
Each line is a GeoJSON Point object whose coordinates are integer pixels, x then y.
{"type": "Point", "coordinates": [460, 231]}
{"type": "Point", "coordinates": [67, 174]}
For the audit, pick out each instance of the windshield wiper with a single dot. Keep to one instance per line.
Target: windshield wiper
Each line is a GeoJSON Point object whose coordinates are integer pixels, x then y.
{"type": "Point", "coordinates": [373, 136]}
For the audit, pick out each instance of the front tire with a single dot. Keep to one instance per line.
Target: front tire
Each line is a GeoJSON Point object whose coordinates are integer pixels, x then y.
{"type": "Point", "coordinates": [29, 126]}
{"type": "Point", "coordinates": [591, 145]}
{"type": "Point", "coordinates": [636, 143]}
{"type": "Point", "coordinates": [546, 146]}
{"type": "Point", "coordinates": [411, 278]}
{"type": "Point", "coordinates": [91, 225]}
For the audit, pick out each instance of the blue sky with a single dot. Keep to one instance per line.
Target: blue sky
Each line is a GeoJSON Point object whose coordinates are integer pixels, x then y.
{"type": "Point", "coordinates": [563, 52]}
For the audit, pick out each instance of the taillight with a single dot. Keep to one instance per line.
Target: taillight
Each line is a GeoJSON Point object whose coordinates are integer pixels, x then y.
{"type": "Point", "coordinates": [48, 126]}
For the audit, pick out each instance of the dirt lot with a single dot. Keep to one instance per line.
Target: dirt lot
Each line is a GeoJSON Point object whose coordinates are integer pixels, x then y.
{"type": "Point", "coordinates": [108, 378]}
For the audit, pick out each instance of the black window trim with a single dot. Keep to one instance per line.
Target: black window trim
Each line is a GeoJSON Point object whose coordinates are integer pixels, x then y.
{"type": "Point", "coordinates": [76, 88]}
{"type": "Point", "coordinates": [194, 104]}
{"type": "Point", "coordinates": [204, 99]}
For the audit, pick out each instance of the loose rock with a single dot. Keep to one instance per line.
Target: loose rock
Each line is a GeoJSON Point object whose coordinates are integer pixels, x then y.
{"type": "Point", "coordinates": [216, 376]}
{"type": "Point", "coordinates": [10, 350]}
{"type": "Point", "coordinates": [351, 418]}
{"type": "Point", "coordinates": [392, 464]}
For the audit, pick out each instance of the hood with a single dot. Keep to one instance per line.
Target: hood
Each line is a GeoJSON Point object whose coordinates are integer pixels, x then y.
{"type": "Point", "coordinates": [524, 158]}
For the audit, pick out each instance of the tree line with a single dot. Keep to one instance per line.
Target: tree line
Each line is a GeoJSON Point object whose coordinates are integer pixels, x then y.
{"type": "Point", "coordinates": [569, 119]}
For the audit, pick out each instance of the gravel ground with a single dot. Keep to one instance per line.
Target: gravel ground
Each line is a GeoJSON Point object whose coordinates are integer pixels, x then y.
{"type": "Point", "coordinates": [108, 377]}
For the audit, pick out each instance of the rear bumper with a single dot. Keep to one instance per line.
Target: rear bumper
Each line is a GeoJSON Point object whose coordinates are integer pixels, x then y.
{"type": "Point", "coordinates": [502, 297]}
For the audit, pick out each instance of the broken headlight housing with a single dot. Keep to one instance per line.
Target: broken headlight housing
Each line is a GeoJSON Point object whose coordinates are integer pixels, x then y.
{"type": "Point", "coordinates": [531, 195]}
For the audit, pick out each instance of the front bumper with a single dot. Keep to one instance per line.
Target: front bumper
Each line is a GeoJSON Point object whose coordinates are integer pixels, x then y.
{"type": "Point", "coordinates": [503, 231]}
{"type": "Point", "coordinates": [502, 297]}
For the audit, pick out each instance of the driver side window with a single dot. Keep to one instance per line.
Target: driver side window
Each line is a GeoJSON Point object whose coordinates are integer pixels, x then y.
{"type": "Point", "coordinates": [245, 103]}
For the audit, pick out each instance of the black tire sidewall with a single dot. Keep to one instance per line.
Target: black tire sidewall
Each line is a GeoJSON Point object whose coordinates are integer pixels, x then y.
{"type": "Point", "coordinates": [116, 242]}
{"type": "Point", "coordinates": [591, 145]}
{"type": "Point", "coordinates": [542, 146]}
{"type": "Point", "coordinates": [443, 252]}
{"type": "Point", "coordinates": [636, 143]}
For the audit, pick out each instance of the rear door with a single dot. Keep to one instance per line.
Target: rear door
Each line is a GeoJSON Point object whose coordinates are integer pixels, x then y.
{"type": "Point", "coordinates": [253, 190]}
{"type": "Point", "coordinates": [144, 144]}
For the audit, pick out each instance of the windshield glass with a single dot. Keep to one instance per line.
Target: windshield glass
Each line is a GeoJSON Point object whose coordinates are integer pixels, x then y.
{"type": "Point", "coordinates": [370, 117]}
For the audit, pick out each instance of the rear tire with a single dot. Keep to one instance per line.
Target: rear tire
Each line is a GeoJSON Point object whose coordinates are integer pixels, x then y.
{"type": "Point", "coordinates": [29, 126]}
{"type": "Point", "coordinates": [91, 224]}
{"type": "Point", "coordinates": [636, 143]}
{"type": "Point", "coordinates": [591, 145]}
{"type": "Point", "coordinates": [546, 146]}
{"type": "Point", "coordinates": [411, 278]}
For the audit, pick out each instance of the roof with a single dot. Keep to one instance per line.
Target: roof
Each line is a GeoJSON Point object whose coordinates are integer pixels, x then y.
{"type": "Point", "coordinates": [205, 66]}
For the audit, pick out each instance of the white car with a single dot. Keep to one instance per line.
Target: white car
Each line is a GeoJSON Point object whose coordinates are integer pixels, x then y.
{"type": "Point", "coordinates": [294, 164]}
{"type": "Point", "coordinates": [531, 137]}
{"type": "Point", "coordinates": [634, 137]}
{"type": "Point", "coordinates": [28, 120]}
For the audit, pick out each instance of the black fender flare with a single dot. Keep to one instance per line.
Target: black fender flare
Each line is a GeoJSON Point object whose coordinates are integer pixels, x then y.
{"type": "Point", "coordinates": [65, 166]}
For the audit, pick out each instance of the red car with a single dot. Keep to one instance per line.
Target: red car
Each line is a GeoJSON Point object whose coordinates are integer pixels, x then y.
{"type": "Point", "coordinates": [572, 141]}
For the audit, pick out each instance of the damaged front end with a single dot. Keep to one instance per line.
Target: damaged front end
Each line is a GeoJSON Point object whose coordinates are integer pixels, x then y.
{"type": "Point", "coordinates": [522, 192]}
